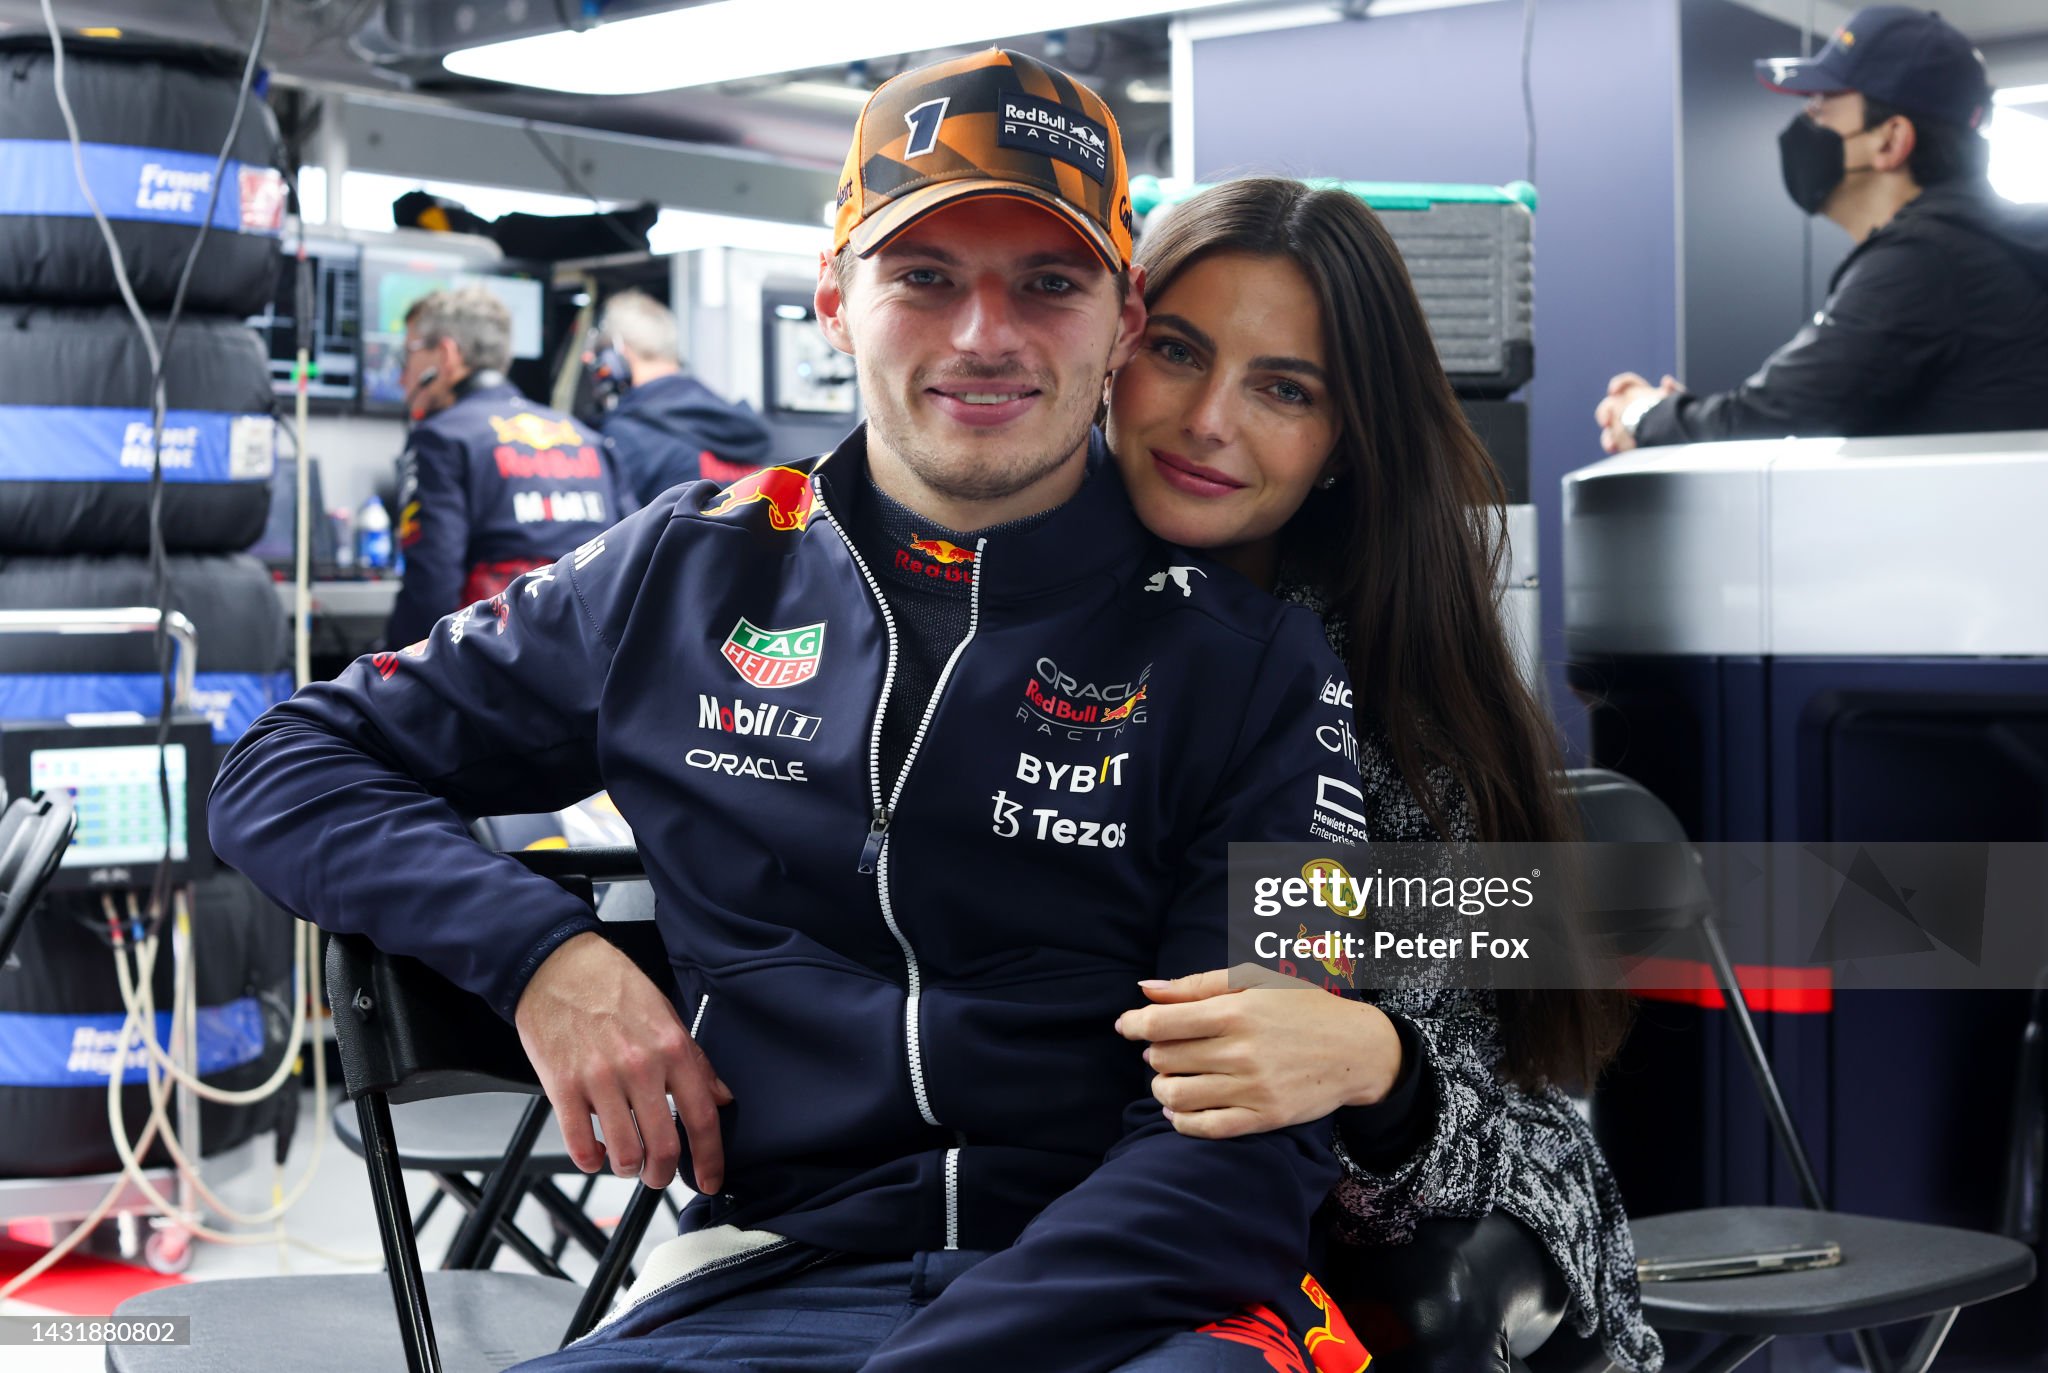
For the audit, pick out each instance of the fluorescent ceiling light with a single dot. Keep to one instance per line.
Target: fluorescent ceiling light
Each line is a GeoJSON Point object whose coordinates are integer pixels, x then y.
{"type": "Point", "coordinates": [825, 93]}
{"type": "Point", "coordinates": [2019, 156]}
{"type": "Point", "coordinates": [2021, 95]}
{"type": "Point", "coordinates": [731, 40]}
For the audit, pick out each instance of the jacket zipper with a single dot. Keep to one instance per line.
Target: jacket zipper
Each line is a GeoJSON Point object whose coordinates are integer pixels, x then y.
{"type": "Point", "coordinates": [697, 1020]}
{"type": "Point", "coordinates": [952, 1198]}
{"type": "Point", "coordinates": [874, 853]}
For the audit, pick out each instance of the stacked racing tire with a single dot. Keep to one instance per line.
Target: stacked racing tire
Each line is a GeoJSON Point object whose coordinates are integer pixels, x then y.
{"type": "Point", "coordinates": [77, 451]}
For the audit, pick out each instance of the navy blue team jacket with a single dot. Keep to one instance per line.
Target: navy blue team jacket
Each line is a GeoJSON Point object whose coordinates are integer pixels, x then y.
{"type": "Point", "coordinates": [491, 487]}
{"type": "Point", "coordinates": [912, 996]}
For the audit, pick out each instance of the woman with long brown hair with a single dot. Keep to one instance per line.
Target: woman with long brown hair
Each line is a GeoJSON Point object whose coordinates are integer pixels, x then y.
{"type": "Point", "coordinates": [1286, 413]}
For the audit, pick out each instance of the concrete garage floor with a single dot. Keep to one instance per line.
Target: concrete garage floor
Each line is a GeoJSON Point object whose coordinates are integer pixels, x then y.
{"type": "Point", "coordinates": [335, 1214]}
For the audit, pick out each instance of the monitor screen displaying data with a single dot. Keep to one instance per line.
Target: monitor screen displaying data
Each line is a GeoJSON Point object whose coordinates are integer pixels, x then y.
{"type": "Point", "coordinates": [393, 278]}
{"type": "Point", "coordinates": [336, 305]}
{"type": "Point", "coordinates": [114, 792]}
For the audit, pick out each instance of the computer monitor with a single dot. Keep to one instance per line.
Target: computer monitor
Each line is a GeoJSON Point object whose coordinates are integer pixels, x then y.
{"type": "Point", "coordinates": [109, 770]}
{"type": "Point", "coordinates": [334, 364]}
{"type": "Point", "coordinates": [278, 549]}
{"type": "Point", "coordinates": [394, 278]}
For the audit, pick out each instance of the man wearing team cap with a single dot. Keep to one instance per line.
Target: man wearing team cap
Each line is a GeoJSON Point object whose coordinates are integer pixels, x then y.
{"type": "Point", "coordinates": [1937, 321]}
{"type": "Point", "coordinates": [925, 771]}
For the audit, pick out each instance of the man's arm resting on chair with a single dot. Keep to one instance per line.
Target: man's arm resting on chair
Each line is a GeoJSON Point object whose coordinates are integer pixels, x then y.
{"type": "Point", "coordinates": [346, 805]}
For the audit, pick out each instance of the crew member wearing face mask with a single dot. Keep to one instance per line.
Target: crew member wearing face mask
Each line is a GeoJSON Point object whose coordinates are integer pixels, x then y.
{"type": "Point", "coordinates": [491, 485]}
{"type": "Point", "coordinates": [1937, 321]}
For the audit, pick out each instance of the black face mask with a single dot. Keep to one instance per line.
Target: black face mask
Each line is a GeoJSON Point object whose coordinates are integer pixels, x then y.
{"type": "Point", "coordinates": [1813, 162]}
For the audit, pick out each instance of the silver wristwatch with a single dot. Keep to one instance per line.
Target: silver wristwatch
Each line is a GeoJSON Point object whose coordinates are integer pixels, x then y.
{"type": "Point", "coordinates": [1637, 408]}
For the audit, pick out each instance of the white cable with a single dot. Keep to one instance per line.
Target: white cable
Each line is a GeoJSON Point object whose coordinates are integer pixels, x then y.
{"type": "Point", "coordinates": [132, 1167]}
{"type": "Point", "coordinates": [143, 1011]}
{"type": "Point", "coordinates": [142, 1017]}
{"type": "Point", "coordinates": [248, 1096]}
{"type": "Point", "coordinates": [85, 1227]}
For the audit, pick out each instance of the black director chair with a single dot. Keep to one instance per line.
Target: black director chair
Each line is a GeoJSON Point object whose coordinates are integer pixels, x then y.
{"type": "Point", "coordinates": [405, 1034]}
{"type": "Point", "coordinates": [1891, 1271]}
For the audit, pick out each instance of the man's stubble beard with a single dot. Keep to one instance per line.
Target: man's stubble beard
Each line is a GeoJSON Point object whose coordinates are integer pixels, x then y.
{"type": "Point", "coordinates": [992, 474]}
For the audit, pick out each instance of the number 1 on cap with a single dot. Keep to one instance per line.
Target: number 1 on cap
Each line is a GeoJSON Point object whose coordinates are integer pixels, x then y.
{"type": "Point", "coordinates": [924, 124]}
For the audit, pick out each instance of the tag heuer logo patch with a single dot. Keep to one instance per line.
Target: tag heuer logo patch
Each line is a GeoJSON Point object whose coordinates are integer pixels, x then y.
{"type": "Point", "coordinates": [774, 658]}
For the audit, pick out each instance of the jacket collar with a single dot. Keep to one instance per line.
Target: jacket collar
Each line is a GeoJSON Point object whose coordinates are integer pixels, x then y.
{"type": "Point", "coordinates": [1089, 536]}
{"type": "Point", "coordinates": [478, 382]}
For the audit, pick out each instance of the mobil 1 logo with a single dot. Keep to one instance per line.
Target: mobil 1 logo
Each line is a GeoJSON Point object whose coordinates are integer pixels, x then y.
{"type": "Point", "coordinates": [738, 717]}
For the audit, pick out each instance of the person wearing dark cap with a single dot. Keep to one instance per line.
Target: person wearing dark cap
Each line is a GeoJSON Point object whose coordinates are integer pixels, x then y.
{"type": "Point", "coordinates": [1937, 321]}
{"type": "Point", "coordinates": [933, 754]}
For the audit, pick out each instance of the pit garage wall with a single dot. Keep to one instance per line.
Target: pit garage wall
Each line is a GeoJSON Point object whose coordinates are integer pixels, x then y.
{"type": "Point", "coordinates": [1664, 239]}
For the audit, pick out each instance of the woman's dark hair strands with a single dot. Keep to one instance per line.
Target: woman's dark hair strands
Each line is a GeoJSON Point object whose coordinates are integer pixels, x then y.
{"type": "Point", "coordinates": [1409, 547]}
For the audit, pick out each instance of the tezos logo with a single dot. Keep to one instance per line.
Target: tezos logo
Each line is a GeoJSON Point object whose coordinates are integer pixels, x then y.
{"type": "Point", "coordinates": [1048, 826]}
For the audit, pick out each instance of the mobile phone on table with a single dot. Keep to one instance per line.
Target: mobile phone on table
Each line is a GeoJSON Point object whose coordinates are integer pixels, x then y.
{"type": "Point", "coordinates": [1825, 1254]}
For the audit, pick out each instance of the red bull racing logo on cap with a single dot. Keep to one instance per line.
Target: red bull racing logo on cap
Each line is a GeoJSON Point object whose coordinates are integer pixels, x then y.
{"type": "Point", "coordinates": [773, 658]}
{"type": "Point", "coordinates": [784, 490]}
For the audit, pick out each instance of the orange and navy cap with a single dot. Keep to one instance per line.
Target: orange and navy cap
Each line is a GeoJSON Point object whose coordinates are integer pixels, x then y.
{"type": "Point", "coordinates": [997, 123]}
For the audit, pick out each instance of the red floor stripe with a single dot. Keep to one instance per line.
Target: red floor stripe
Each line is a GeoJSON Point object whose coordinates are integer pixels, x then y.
{"type": "Point", "coordinates": [80, 1284]}
{"type": "Point", "coordinates": [1795, 991]}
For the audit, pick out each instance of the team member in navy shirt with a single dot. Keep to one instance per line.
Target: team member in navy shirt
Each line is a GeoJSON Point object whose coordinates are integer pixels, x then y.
{"type": "Point", "coordinates": [491, 484]}
{"type": "Point", "coordinates": [932, 752]}
{"type": "Point", "coordinates": [670, 428]}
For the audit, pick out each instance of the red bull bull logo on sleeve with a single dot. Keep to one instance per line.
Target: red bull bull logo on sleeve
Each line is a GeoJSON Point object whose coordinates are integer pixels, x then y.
{"type": "Point", "coordinates": [784, 490]}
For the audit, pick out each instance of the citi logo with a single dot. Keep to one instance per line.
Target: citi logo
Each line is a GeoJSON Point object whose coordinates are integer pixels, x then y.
{"type": "Point", "coordinates": [737, 717]}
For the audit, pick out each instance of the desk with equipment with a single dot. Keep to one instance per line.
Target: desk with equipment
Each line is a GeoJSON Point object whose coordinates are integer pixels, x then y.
{"type": "Point", "coordinates": [348, 604]}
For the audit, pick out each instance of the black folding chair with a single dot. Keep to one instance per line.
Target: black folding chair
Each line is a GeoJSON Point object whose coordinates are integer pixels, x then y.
{"type": "Point", "coordinates": [1891, 1271]}
{"type": "Point", "coordinates": [34, 832]}
{"type": "Point", "coordinates": [405, 1034]}
{"type": "Point", "coordinates": [460, 1142]}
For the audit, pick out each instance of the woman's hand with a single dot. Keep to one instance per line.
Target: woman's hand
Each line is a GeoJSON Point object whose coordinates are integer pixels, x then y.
{"type": "Point", "coordinates": [1240, 1062]}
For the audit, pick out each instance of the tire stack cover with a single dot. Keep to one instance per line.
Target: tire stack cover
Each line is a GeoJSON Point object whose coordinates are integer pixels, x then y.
{"type": "Point", "coordinates": [60, 1013]}
{"type": "Point", "coordinates": [244, 657]}
{"type": "Point", "coordinates": [75, 460]}
{"type": "Point", "coordinates": [150, 120]}
{"type": "Point", "coordinates": [75, 433]}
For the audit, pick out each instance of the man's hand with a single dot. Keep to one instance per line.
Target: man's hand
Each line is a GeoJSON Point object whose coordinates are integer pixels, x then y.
{"type": "Point", "coordinates": [606, 1042]}
{"type": "Point", "coordinates": [1277, 1054]}
{"type": "Point", "coordinates": [1622, 392]}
